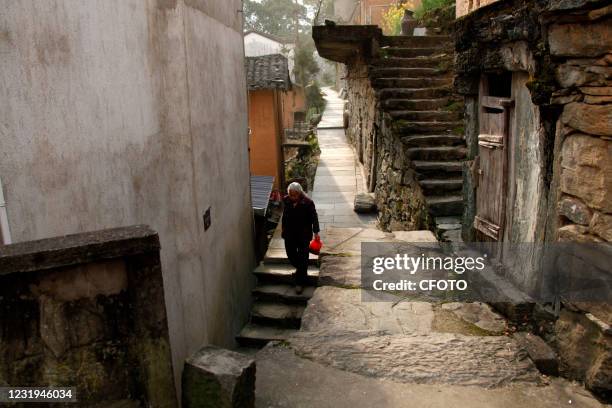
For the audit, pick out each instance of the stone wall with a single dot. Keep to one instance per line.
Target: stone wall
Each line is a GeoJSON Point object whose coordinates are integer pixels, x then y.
{"type": "Point", "coordinates": [400, 201]}
{"type": "Point", "coordinates": [560, 180]}
{"type": "Point", "coordinates": [87, 311]}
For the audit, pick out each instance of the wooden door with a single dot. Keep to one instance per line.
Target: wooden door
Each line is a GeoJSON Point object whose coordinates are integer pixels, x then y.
{"type": "Point", "coordinates": [492, 166]}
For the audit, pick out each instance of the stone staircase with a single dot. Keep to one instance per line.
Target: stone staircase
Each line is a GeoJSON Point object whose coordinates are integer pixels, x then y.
{"type": "Point", "coordinates": [413, 80]}
{"type": "Point", "coordinates": [277, 308]}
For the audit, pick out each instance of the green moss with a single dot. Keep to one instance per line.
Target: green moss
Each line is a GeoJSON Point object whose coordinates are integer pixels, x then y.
{"type": "Point", "coordinates": [446, 322]}
{"type": "Point", "coordinates": [459, 130]}
{"type": "Point", "coordinates": [159, 378]}
{"type": "Point", "coordinates": [453, 106]}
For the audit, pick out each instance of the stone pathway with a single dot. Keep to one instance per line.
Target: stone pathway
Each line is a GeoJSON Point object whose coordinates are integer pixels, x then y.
{"type": "Point", "coordinates": [401, 352]}
{"type": "Point", "coordinates": [338, 177]}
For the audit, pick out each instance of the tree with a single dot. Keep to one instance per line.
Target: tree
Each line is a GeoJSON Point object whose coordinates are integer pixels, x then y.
{"type": "Point", "coordinates": [276, 17]}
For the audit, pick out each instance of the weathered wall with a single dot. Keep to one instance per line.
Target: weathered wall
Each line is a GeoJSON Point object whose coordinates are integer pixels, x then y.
{"type": "Point", "coordinates": [87, 311]}
{"type": "Point", "coordinates": [400, 202]}
{"type": "Point", "coordinates": [264, 139]}
{"type": "Point", "coordinates": [560, 180]}
{"type": "Point", "coordinates": [116, 112]}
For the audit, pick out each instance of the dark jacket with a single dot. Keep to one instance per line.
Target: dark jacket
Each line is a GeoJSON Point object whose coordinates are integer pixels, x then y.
{"type": "Point", "coordinates": [301, 221]}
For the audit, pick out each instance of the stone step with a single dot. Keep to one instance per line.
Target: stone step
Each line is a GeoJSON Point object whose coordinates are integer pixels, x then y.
{"type": "Point", "coordinates": [439, 61]}
{"type": "Point", "coordinates": [279, 256]}
{"type": "Point", "coordinates": [432, 140]}
{"type": "Point", "coordinates": [433, 187]}
{"type": "Point", "coordinates": [282, 293]}
{"type": "Point", "coordinates": [414, 93]}
{"type": "Point", "coordinates": [417, 41]}
{"type": "Point", "coordinates": [413, 104]}
{"type": "Point", "coordinates": [254, 335]}
{"type": "Point", "coordinates": [425, 115]}
{"type": "Point", "coordinates": [437, 153]}
{"type": "Point", "coordinates": [437, 169]}
{"type": "Point", "coordinates": [447, 223]}
{"type": "Point", "coordinates": [445, 205]}
{"type": "Point", "coordinates": [412, 52]}
{"type": "Point", "coordinates": [379, 83]}
{"type": "Point", "coordinates": [277, 314]}
{"type": "Point", "coordinates": [394, 72]}
{"type": "Point", "coordinates": [451, 236]}
{"type": "Point", "coordinates": [282, 273]}
{"type": "Point", "coordinates": [425, 128]}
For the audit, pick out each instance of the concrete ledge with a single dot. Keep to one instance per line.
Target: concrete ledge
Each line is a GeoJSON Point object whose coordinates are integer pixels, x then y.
{"type": "Point", "coordinates": [77, 249]}
{"type": "Point", "coordinates": [342, 43]}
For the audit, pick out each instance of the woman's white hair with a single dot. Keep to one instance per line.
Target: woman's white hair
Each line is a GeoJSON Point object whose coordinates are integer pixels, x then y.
{"type": "Point", "coordinates": [295, 186]}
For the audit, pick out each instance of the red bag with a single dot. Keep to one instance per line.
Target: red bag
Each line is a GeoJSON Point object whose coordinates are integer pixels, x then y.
{"type": "Point", "coordinates": [315, 246]}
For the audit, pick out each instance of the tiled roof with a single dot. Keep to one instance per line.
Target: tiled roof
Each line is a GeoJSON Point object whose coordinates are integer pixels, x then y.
{"type": "Point", "coordinates": [268, 72]}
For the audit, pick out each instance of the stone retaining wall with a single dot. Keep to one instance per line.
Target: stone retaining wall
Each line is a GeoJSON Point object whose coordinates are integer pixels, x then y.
{"type": "Point", "coordinates": [399, 198]}
{"type": "Point", "coordinates": [87, 311]}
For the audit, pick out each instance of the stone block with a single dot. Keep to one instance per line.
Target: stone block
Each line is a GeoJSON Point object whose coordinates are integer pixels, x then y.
{"type": "Point", "coordinates": [595, 120]}
{"type": "Point", "coordinates": [576, 233]}
{"type": "Point", "coordinates": [585, 352]}
{"type": "Point", "coordinates": [218, 378]}
{"type": "Point", "coordinates": [601, 225]}
{"type": "Point", "coordinates": [571, 75]}
{"type": "Point", "coordinates": [587, 170]}
{"type": "Point", "coordinates": [580, 40]}
{"type": "Point", "coordinates": [364, 203]}
{"type": "Point", "coordinates": [574, 210]}
{"type": "Point", "coordinates": [540, 353]}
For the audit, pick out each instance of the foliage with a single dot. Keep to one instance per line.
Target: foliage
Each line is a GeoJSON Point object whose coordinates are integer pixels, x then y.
{"type": "Point", "coordinates": [392, 18]}
{"type": "Point", "coordinates": [305, 68]}
{"type": "Point", "coordinates": [314, 97]}
{"type": "Point", "coordinates": [276, 17]}
{"type": "Point", "coordinates": [293, 20]}
{"type": "Point", "coordinates": [280, 17]}
{"type": "Point", "coordinates": [428, 6]}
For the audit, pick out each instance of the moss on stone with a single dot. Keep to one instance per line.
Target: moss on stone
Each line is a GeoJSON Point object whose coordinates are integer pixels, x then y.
{"type": "Point", "coordinates": [446, 322]}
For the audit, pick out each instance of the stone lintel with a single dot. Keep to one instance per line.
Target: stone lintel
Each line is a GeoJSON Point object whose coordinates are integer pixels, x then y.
{"type": "Point", "coordinates": [344, 43]}
{"type": "Point", "coordinates": [77, 249]}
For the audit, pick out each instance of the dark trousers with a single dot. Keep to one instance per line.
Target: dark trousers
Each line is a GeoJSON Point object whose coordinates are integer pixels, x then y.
{"type": "Point", "coordinates": [297, 252]}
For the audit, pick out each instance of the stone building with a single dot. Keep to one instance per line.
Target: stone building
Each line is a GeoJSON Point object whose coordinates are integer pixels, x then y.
{"type": "Point", "coordinates": [122, 112]}
{"type": "Point", "coordinates": [536, 79]}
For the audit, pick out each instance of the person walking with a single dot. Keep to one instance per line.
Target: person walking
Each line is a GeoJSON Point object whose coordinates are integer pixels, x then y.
{"type": "Point", "coordinates": [299, 223]}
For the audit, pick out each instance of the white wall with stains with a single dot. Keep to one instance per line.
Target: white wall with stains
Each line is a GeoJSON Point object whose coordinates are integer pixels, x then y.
{"type": "Point", "coordinates": [120, 112]}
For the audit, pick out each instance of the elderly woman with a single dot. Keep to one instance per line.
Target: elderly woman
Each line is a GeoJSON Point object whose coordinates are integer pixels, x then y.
{"type": "Point", "coordinates": [299, 222]}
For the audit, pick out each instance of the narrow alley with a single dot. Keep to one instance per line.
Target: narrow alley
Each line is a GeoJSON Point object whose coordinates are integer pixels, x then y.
{"type": "Point", "coordinates": [398, 353]}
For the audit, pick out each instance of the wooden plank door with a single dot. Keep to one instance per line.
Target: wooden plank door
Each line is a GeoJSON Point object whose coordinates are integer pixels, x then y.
{"type": "Point", "coordinates": [492, 166]}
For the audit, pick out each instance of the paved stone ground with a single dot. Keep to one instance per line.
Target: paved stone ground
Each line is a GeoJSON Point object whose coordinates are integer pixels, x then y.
{"type": "Point", "coordinates": [338, 177]}
{"type": "Point", "coordinates": [399, 353]}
